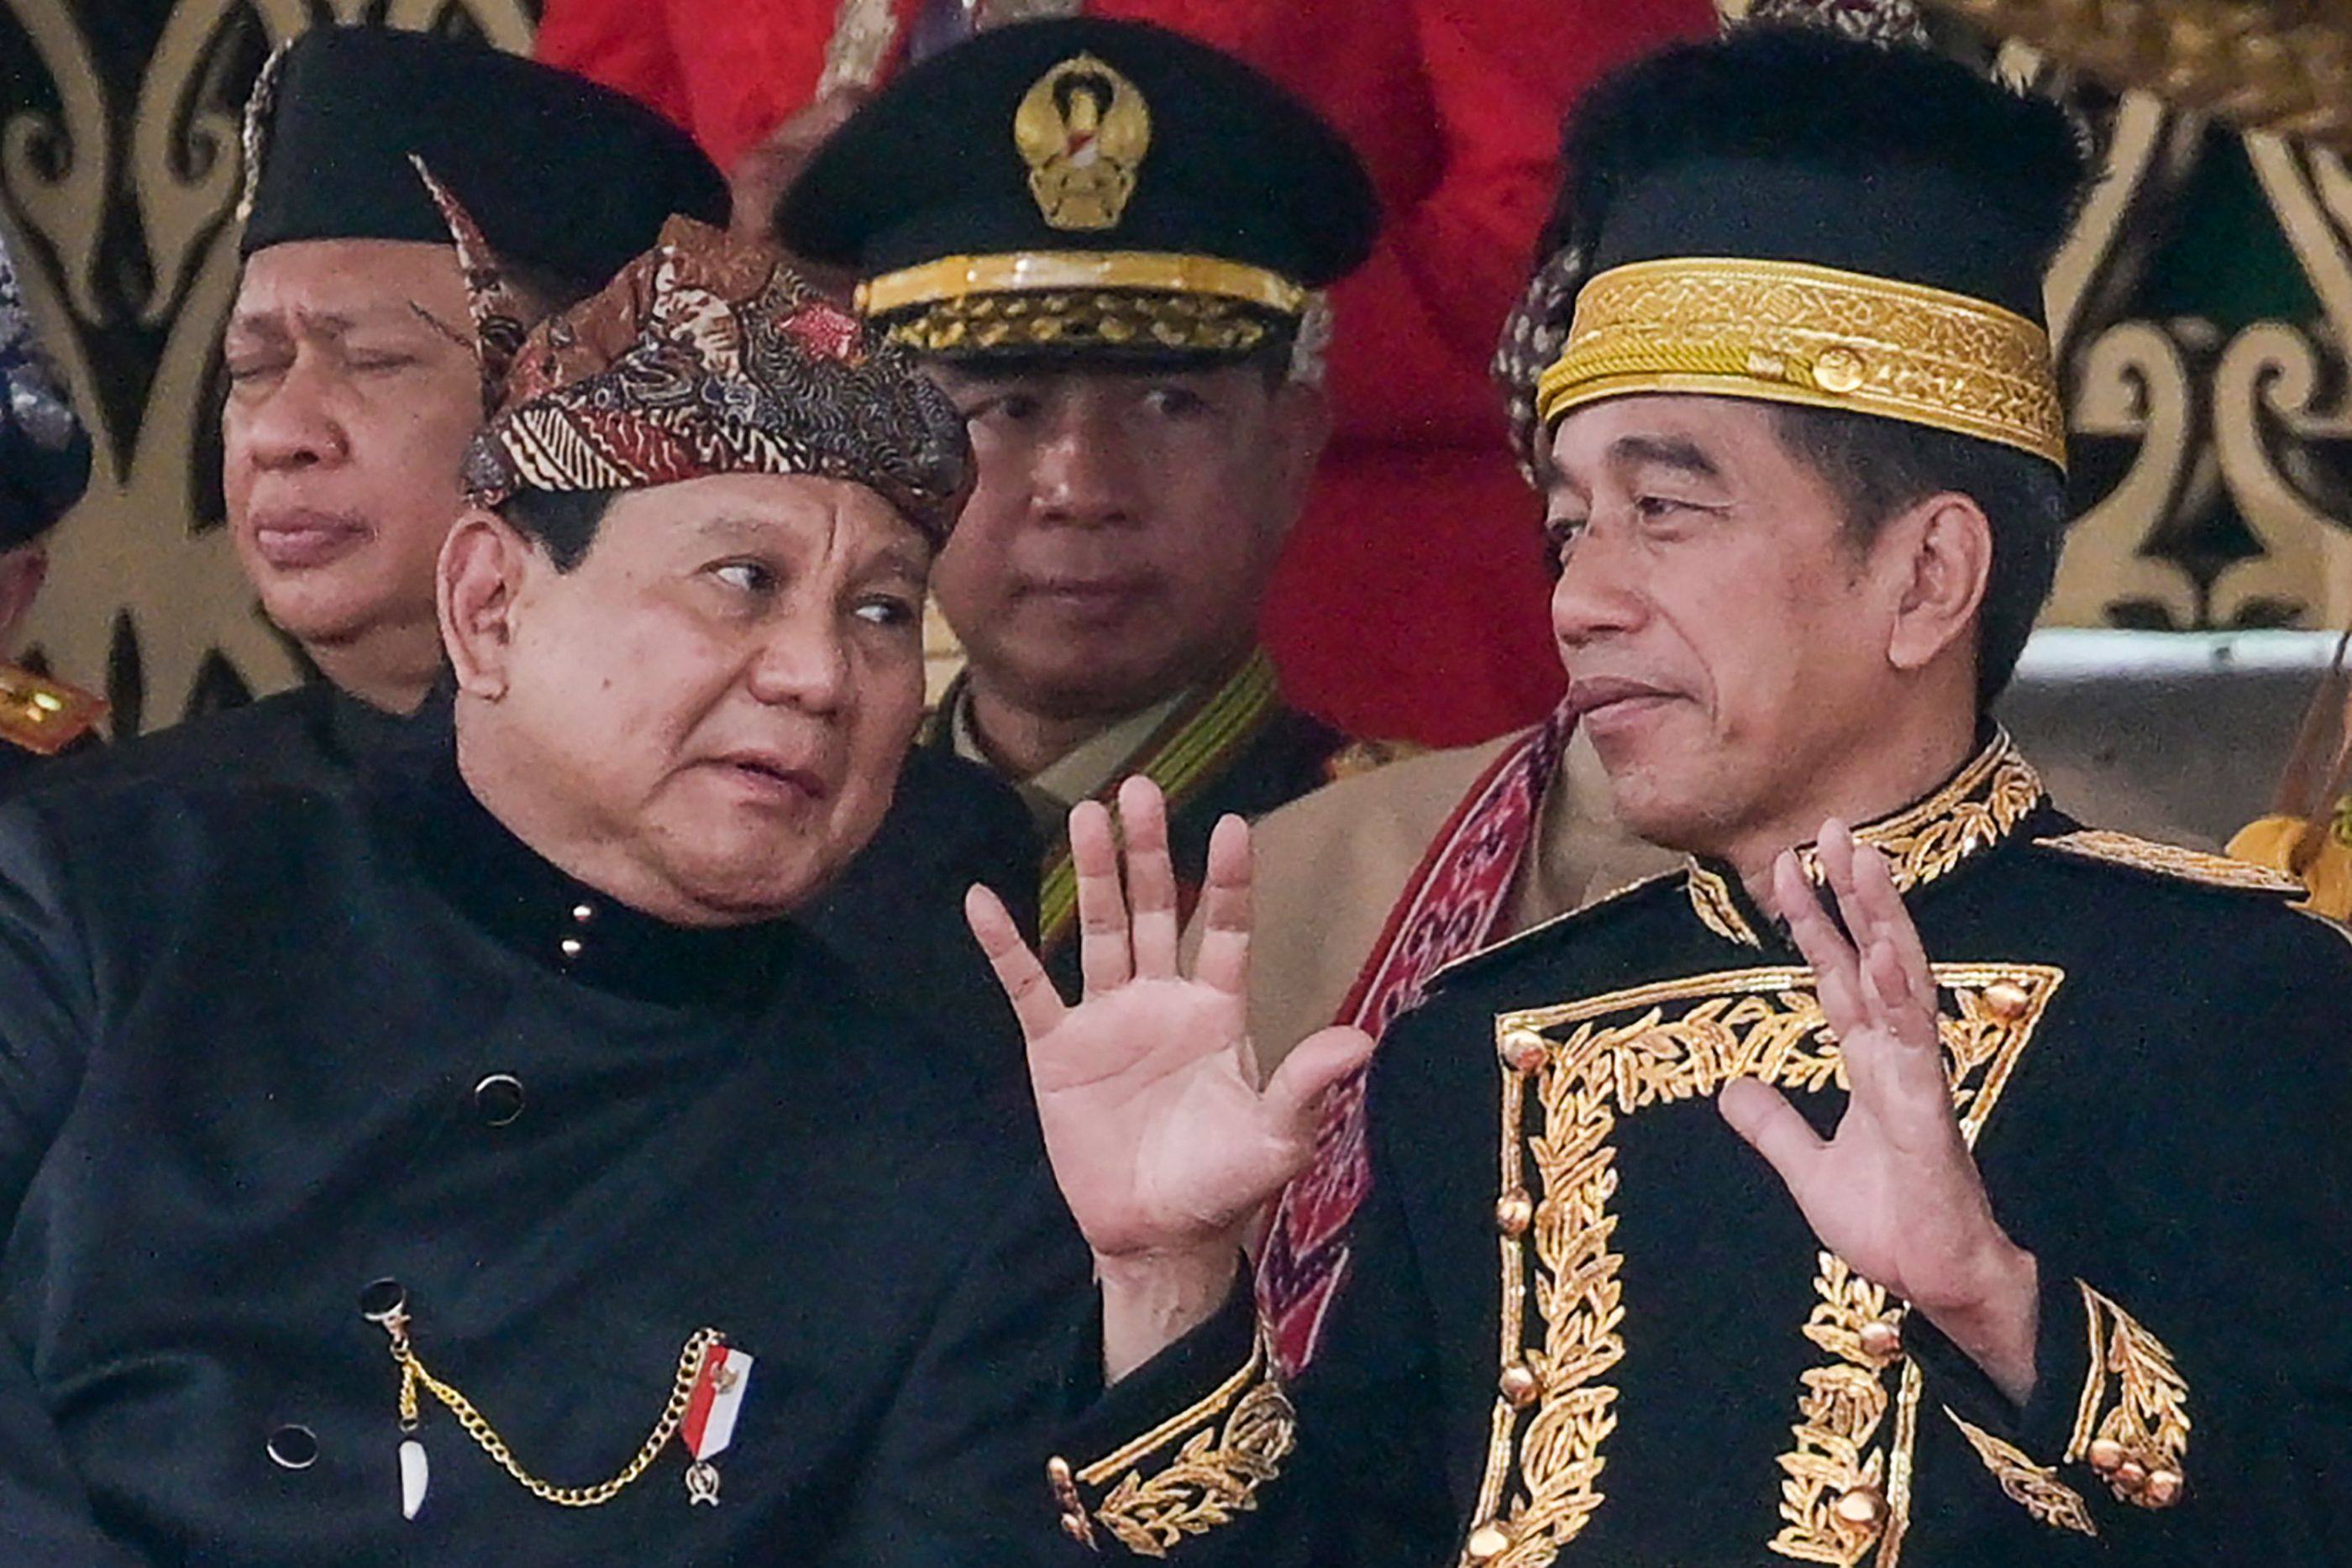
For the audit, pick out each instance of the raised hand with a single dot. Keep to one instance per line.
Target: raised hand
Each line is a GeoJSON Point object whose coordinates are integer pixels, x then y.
{"type": "Point", "coordinates": [1162, 1141]}
{"type": "Point", "coordinates": [1895, 1192]}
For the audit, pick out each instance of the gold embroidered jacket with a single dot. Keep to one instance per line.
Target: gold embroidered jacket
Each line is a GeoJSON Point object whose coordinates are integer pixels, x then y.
{"type": "Point", "coordinates": [1587, 1325]}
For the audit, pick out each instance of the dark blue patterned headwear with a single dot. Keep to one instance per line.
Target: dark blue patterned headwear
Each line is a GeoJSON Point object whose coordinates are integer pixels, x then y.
{"type": "Point", "coordinates": [44, 451]}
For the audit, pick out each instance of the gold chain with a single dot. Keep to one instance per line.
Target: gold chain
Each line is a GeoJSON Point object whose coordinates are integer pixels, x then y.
{"type": "Point", "coordinates": [690, 1364]}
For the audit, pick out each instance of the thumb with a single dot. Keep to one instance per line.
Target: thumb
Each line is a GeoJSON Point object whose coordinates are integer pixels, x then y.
{"type": "Point", "coordinates": [1774, 1128]}
{"type": "Point", "coordinates": [1294, 1095]}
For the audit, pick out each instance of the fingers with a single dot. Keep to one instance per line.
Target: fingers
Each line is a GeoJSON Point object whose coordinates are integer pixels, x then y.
{"type": "Point", "coordinates": [1104, 959]}
{"type": "Point", "coordinates": [1836, 978]}
{"type": "Point", "coordinates": [1901, 994]}
{"type": "Point", "coordinates": [1035, 1001]}
{"type": "Point", "coordinates": [1224, 915]}
{"type": "Point", "coordinates": [1774, 1128]}
{"type": "Point", "coordinates": [1150, 878]}
{"type": "Point", "coordinates": [1294, 1095]}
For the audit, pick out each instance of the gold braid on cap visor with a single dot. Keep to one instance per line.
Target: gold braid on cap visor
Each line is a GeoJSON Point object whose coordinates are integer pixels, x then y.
{"type": "Point", "coordinates": [1786, 332]}
{"type": "Point", "coordinates": [1062, 298]}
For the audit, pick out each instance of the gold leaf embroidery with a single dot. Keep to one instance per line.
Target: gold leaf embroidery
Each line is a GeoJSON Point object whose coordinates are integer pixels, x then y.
{"type": "Point", "coordinates": [2149, 1421]}
{"type": "Point", "coordinates": [2034, 1488]}
{"type": "Point", "coordinates": [2172, 860]}
{"type": "Point", "coordinates": [1612, 1055]}
{"type": "Point", "coordinates": [1232, 1443]}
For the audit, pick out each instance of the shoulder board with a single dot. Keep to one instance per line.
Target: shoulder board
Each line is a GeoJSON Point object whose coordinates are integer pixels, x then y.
{"type": "Point", "coordinates": [1361, 757]}
{"type": "Point", "coordinates": [1582, 915]}
{"type": "Point", "coordinates": [2170, 860]}
{"type": "Point", "coordinates": [42, 715]}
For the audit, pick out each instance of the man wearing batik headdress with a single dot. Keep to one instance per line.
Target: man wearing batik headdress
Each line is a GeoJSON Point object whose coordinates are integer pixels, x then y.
{"type": "Point", "coordinates": [1912, 1173]}
{"type": "Point", "coordinates": [43, 466]}
{"type": "Point", "coordinates": [1106, 239]}
{"type": "Point", "coordinates": [354, 384]}
{"type": "Point", "coordinates": [481, 1165]}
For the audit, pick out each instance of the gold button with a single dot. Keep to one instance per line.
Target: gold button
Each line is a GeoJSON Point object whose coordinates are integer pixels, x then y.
{"type": "Point", "coordinates": [2007, 1001]}
{"type": "Point", "coordinates": [2130, 1475]}
{"type": "Point", "coordinates": [1524, 1051]}
{"type": "Point", "coordinates": [1520, 1385]}
{"type": "Point", "coordinates": [1862, 1507]}
{"type": "Point", "coordinates": [2163, 1489]}
{"type": "Point", "coordinates": [2105, 1455]}
{"type": "Point", "coordinates": [1838, 371]}
{"type": "Point", "coordinates": [1514, 1212]}
{"type": "Point", "coordinates": [1881, 1340]}
{"type": "Point", "coordinates": [1488, 1541]}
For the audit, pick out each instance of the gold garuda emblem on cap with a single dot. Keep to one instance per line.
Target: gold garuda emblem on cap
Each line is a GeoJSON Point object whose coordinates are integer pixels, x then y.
{"type": "Point", "coordinates": [1083, 130]}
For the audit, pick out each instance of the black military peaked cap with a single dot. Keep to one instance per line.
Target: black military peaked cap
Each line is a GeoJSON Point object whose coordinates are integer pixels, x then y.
{"type": "Point", "coordinates": [1087, 187]}
{"type": "Point", "coordinates": [565, 177]}
{"type": "Point", "coordinates": [1798, 216]}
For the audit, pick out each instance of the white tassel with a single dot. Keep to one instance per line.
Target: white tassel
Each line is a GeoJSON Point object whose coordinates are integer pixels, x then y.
{"type": "Point", "coordinates": [415, 1475]}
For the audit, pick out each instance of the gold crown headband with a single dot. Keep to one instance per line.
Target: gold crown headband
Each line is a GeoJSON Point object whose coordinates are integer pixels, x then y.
{"type": "Point", "coordinates": [1783, 331]}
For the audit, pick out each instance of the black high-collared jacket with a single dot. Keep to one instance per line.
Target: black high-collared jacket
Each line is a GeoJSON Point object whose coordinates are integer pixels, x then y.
{"type": "Point", "coordinates": [263, 1045]}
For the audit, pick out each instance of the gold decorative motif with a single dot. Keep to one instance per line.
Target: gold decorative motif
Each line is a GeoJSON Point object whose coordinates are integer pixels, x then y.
{"type": "Point", "coordinates": [1983, 805]}
{"type": "Point", "coordinates": [1673, 1041]}
{"type": "Point", "coordinates": [1014, 323]}
{"type": "Point", "coordinates": [2033, 1488]}
{"type": "Point", "coordinates": [1083, 130]}
{"type": "Point", "coordinates": [1711, 899]}
{"type": "Point", "coordinates": [2170, 860]}
{"type": "Point", "coordinates": [1839, 1415]}
{"type": "Point", "coordinates": [1233, 1442]}
{"type": "Point", "coordinates": [1795, 332]}
{"type": "Point", "coordinates": [2144, 1432]}
{"type": "Point", "coordinates": [1079, 272]}
{"type": "Point", "coordinates": [2277, 66]}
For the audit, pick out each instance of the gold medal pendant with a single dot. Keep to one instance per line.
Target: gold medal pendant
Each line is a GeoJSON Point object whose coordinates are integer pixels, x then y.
{"type": "Point", "coordinates": [710, 1424]}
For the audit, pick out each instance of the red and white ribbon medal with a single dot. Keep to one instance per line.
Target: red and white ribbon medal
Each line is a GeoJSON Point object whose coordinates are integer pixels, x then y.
{"type": "Point", "coordinates": [710, 1411]}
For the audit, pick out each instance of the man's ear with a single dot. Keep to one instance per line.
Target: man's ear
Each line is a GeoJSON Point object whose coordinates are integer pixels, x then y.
{"type": "Point", "coordinates": [479, 577]}
{"type": "Point", "coordinates": [1301, 424]}
{"type": "Point", "coordinates": [1941, 557]}
{"type": "Point", "coordinates": [22, 571]}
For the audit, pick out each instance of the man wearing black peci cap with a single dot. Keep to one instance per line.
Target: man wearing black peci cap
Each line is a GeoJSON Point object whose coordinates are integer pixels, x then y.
{"type": "Point", "coordinates": [1915, 1173]}
{"type": "Point", "coordinates": [44, 468]}
{"type": "Point", "coordinates": [1107, 241]}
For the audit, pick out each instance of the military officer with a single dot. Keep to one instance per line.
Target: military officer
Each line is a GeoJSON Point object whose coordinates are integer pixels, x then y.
{"type": "Point", "coordinates": [1104, 239]}
{"type": "Point", "coordinates": [2011, 1272]}
{"type": "Point", "coordinates": [480, 1165]}
{"type": "Point", "coordinates": [43, 466]}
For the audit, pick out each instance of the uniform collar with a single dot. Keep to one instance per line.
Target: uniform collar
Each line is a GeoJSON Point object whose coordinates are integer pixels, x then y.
{"type": "Point", "coordinates": [1977, 808]}
{"type": "Point", "coordinates": [501, 886]}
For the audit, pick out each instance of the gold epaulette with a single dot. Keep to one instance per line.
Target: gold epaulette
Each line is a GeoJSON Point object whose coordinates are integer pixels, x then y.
{"type": "Point", "coordinates": [1359, 758]}
{"type": "Point", "coordinates": [2170, 860]}
{"type": "Point", "coordinates": [42, 715]}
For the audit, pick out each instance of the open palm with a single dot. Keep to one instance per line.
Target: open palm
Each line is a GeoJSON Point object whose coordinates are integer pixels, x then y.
{"type": "Point", "coordinates": [1161, 1137]}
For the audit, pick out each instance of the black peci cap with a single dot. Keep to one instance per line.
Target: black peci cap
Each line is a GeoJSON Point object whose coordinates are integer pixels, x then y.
{"type": "Point", "coordinates": [1084, 186]}
{"type": "Point", "coordinates": [565, 177]}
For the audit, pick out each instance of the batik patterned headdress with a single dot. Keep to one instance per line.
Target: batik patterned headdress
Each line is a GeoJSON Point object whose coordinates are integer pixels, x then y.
{"type": "Point", "coordinates": [706, 355]}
